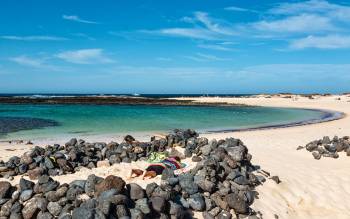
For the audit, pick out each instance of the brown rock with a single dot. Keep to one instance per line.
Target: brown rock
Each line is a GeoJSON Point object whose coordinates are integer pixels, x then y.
{"type": "Point", "coordinates": [30, 209]}
{"type": "Point", "coordinates": [5, 188]}
{"type": "Point", "coordinates": [64, 165]}
{"type": "Point", "coordinates": [35, 173]}
{"type": "Point", "coordinates": [110, 182]}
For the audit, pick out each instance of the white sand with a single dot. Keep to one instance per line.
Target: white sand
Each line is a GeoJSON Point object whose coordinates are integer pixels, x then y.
{"type": "Point", "coordinates": [310, 188]}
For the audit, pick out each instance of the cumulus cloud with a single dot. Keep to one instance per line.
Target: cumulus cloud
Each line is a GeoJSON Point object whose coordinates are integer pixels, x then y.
{"type": "Point", "coordinates": [84, 56]}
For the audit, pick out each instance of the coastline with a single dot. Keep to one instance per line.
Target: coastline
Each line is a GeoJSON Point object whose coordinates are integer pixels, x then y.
{"type": "Point", "coordinates": [310, 188]}
{"type": "Point", "coordinates": [329, 116]}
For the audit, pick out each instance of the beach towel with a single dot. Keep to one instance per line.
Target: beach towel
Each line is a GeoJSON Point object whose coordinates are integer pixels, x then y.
{"type": "Point", "coordinates": [170, 162]}
{"type": "Point", "coordinates": [156, 157]}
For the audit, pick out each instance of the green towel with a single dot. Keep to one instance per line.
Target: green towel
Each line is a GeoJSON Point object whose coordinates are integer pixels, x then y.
{"type": "Point", "coordinates": [156, 157]}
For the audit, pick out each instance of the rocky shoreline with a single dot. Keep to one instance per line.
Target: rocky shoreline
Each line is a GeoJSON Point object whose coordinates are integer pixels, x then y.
{"type": "Point", "coordinates": [221, 185]}
{"type": "Point", "coordinates": [116, 100]}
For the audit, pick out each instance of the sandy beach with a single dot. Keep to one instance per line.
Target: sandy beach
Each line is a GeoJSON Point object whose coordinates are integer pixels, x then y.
{"type": "Point", "coordinates": [310, 188]}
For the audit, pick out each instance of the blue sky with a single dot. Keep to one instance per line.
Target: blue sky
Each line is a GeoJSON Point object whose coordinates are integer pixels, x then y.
{"type": "Point", "coordinates": [182, 46]}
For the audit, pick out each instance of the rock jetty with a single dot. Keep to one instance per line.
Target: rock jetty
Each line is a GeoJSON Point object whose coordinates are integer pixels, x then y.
{"type": "Point", "coordinates": [221, 185]}
{"type": "Point", "coordinates": [327, 147]}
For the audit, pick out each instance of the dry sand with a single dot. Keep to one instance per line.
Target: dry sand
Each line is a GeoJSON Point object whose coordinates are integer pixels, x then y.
{"type": "Point", "coordinates": [310, 188]}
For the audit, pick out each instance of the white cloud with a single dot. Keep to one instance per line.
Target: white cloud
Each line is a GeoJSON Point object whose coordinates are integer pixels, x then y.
{"type": "Point", "coordinates": [84, 56]}
{"type": "Point", "coordinates": [201, 57]}
{"type": "Point", "coordinates": [25, 60]}
{"type": "Point", "coordinates": [77, 19]}
{"type": "Point", "coordinates": [283, 22]}
{"type": "Point", "coordinates": [234, 8]}
{"type": "Point", "coordinates": [300, 23]}
{"type": "Point", "coordinates": [204, 27]}
{"type": "Point", "coordinates": [214, 24]}
{"type": "Point", "coordinates": [33, 38]}
{"type": "Point", "coordinates": [214, 47]}
{"type": "Point", "coordinates": [38, 63]}
{"type": "Point", "coordinates": [326, 8]}
{"type": "Point", "coordinates": [197, 33]}
{"type": "Point", "coordinates": [322, 42]}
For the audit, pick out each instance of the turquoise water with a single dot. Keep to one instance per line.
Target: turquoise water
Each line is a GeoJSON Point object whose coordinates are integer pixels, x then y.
{"type": "Point", "coordinates": [80, 120]}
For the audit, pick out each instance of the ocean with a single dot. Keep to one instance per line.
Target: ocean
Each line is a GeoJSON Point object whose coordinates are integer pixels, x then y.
{"type": "Point", "coordinates": [29, 121]}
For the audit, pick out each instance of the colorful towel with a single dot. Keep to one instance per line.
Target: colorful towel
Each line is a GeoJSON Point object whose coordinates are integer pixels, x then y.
{"type": "Point", "coordinates": [156, 157]}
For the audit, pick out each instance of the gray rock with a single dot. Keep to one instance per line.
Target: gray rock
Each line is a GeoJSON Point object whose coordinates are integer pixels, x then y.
{"type": "Point", "coordinates": [136, 191]}
{"type": "Point", "coordinates": [158, 203]}
{"type": "Point", "coordinates": [224, 215]}
{"type": "Point", "coordinates": [44, 215]}
{"type": "Point", "coordinates": [276, 179]}
{"type": "Point", "coordinates": [121, 211]}
{"type": "Point", "coordinates": [326, 140]}
{"type": "Point", "coordinates": [80, 213]}
{"type": "Point", "coordinates": [80, 183]}
{"type": "Point", "coordinates": [237, 203]}
{"type": "Point", "coordinates": [54, 208]}
{"type": "Point", "coordinates": [196, 202]}
{"type": "Point", "coordinates": [316, 155]}
{"type": "Point", "coordinates": [16, 216]}
{"type": "Point", "coordinates": [167, 173]}
{"type": "Point", "coordinates": [25, 195]}
{"type": "Point", "coordinates": [142, 205]}
{"type": "Point", "coordinates": [215, 211]}
{"type": "Point", "coordinates": [206, 185]}
{"type": "Point", "coordinates": [237, 153]}
{"type": "Point", "coordinates": [48, 163]}
{"type": "Point", "coordinates": [42, 204]}
{"type": "Point", "coordinates": [136, 213]}
{"type": "Point", "coordinates": [90, 183]}
{"type": "Point", "coordinates": [206, 149]}
{"type": "Point", "coordinates": [186, 183]}
{"type": "Point", "coordinates": [25, 184]}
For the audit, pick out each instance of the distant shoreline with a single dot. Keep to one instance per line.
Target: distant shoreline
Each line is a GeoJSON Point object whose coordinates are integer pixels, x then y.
{"type": "Point", "coordinates": [106, 100]}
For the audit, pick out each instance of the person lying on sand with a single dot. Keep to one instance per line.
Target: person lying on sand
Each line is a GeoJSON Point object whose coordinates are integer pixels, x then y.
{"type": "Point", "coordinates": [156, 169]}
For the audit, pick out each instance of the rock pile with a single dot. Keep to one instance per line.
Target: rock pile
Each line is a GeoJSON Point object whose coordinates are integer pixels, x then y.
{"type": "Point", "coordinates": [221, 185]}
{"type": "Point", "coordinates": [58, 159]}
{"type": "Point", "coordinates": [327, 147]}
